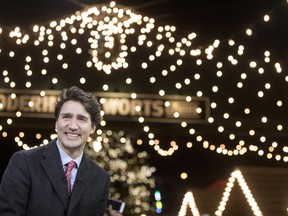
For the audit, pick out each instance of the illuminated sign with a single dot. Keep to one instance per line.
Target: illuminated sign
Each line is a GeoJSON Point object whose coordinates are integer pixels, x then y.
{"type": "Point", "coordinates": [116, 106]}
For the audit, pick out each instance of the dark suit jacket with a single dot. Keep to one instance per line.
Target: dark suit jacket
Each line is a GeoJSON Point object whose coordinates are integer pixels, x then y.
{"type": "Point", "coordinates": [34, 184]}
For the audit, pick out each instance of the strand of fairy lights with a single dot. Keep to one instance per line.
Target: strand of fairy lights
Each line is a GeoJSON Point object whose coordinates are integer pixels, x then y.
{"type": "Point", "coordinates": [237, 175]}
{"type": "Point", "coordinates": [111, 27]}
{"type": "Point", "coordinates": [189, 200]}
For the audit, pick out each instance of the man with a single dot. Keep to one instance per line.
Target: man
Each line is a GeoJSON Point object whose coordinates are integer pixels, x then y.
{"type": "Point", "coordinates": [35, 183]}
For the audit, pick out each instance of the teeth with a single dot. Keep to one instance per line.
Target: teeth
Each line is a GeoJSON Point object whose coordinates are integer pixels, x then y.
{"type": "Point", "coordinates": [72, 134]}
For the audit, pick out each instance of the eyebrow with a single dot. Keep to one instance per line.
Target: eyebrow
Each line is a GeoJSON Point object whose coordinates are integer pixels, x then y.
{"type": "Point", "coordinates": [79, 116]}
{"type": "Point", "coordinates": [82, 117]}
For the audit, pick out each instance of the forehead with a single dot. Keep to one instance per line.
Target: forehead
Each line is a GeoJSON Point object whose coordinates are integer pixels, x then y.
{"type": "Point", "coordinates": [74, 107]}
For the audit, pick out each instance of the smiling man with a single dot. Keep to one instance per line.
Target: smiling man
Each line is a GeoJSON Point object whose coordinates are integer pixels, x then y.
{"type": "Point", "coordinates": [58, 178]}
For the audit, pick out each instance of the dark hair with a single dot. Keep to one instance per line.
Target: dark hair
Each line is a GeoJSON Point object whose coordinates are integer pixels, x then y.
{"type": "Point", "coordinates": [88, 100]}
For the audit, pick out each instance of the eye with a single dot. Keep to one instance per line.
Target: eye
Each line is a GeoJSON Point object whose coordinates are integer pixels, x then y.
{"type": "Point", "coordinates": [65, 117]}
{"type": "Point", "coordinates": [83, 120]}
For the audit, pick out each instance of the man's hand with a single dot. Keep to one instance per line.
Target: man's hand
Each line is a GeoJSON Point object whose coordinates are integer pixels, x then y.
{"type": "Point", "coordinates": [111, 212]}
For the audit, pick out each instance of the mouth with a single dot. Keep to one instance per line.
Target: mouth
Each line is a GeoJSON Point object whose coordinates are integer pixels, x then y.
{"type": "Point", "coordinates": [72, 134]}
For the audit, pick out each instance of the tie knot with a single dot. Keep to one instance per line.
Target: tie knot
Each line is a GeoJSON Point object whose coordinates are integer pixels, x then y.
{"type": "Point", "coordinates": [71, 164]}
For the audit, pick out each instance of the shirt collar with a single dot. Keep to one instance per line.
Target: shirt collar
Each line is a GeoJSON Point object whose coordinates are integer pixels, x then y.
{"type": "Point", "coordinates": [65, 158]}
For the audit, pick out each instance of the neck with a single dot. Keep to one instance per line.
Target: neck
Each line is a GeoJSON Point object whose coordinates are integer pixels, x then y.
{"type": "Point", "coordinates": [74, 153]}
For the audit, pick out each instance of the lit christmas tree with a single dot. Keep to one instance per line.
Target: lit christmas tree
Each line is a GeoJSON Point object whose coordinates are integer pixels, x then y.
{"type": "Point", "coordinates": [131, 178]}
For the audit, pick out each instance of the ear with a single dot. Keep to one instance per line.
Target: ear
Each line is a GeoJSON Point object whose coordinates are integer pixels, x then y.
{"type": "Point", "coordinates": [93, 128]}
{"type": "Point", "coordinates": [56, 126]}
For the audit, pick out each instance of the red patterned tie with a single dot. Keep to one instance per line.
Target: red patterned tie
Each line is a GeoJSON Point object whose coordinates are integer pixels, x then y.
{"type": "Point", "coordinates": [70, 166]}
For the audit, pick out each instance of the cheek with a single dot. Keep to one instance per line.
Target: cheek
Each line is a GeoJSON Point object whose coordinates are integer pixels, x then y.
{"type": "Point", "coordinates": [59, 125]}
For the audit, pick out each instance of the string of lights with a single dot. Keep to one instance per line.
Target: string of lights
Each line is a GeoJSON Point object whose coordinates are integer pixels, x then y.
{"type": "Point", "coordinates": [107, 37]}
{"type": "Point", "coordinates": [236, 177]}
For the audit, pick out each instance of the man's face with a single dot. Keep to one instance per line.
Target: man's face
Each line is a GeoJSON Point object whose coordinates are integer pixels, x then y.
{"type": "Point", "coordinates": [73, 127]}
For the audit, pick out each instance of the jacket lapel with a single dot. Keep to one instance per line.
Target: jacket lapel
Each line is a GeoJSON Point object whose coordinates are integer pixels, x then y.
{"type": "Point", "coordinates": [84, 179]}
{"type": "Point", "coordinates": [54, 170]}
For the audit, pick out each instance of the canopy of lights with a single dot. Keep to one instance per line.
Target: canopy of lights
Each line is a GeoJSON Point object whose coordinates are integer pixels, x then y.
{"type": "Point", "coordinates": [98, 45]}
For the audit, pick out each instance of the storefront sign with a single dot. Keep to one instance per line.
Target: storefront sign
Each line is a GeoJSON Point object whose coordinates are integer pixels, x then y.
{"type": "Point", "coordinates": [116, 106]}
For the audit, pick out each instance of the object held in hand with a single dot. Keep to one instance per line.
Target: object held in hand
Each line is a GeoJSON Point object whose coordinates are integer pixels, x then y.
{"type": "Point", "coordinates": [117, 205]}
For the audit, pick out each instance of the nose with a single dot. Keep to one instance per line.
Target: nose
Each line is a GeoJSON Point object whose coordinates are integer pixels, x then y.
{"type": "Point", "coordinates": [73, 125]}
